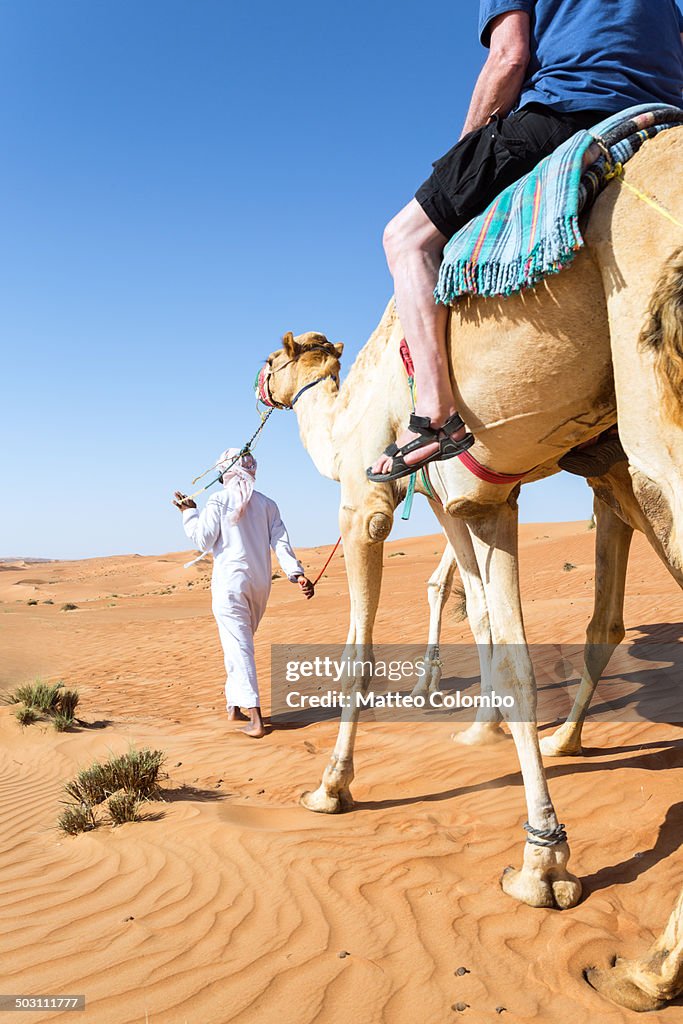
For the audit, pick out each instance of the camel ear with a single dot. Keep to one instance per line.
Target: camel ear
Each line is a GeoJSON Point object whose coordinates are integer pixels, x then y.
{"type": "Point", "coordinates": [290, 346]}
{"type": "Point", "coordinates": [339, 349]}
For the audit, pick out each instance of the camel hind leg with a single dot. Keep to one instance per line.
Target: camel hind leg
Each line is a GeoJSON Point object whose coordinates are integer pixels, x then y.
{"type": "Point", "coordinates": [439, 588]}
{"type": "Point", "coordinates": [651, 981]}
{"type": "Point", "coordinates": [606, 628]}
{"type": "Point", "coordinates": [544, 880]}
{"type": "Point", "coordinates": [486, 727]}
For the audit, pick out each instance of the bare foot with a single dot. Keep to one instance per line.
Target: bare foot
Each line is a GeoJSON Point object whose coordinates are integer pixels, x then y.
{"type": "Point", "coordinates": [235, 715]}
{"type": "Point", "coordinates": [256, 731]}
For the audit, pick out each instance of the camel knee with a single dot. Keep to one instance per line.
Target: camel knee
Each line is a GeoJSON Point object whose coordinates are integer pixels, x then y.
{"type": "Point", "coordinates": [378, 526]}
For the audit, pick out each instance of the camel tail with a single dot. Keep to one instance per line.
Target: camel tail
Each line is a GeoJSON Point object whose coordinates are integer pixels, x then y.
{"type": "Point", "coordinates": [663, 336]}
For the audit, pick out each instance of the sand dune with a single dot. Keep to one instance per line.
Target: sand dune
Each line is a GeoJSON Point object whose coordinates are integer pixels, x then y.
{"type": "Point", "coordinates": [230, 902]}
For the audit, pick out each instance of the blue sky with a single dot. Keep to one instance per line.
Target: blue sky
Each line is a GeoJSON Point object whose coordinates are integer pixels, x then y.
{"type": "Point", "coordinates": [182, 181]}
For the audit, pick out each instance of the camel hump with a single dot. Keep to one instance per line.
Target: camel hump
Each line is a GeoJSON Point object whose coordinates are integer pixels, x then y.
{"type": "Point", "coordinates": [663, 336]}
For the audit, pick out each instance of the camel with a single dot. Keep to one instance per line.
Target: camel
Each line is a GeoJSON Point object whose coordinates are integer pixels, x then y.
{"type": "Point", "coordinates": [616, 516]}
{"type": "Point", "coordinates": [537, 374]}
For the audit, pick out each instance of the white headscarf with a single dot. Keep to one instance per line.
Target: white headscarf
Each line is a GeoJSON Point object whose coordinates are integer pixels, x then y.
{"type": "Point", "coordinates": [239, 480]}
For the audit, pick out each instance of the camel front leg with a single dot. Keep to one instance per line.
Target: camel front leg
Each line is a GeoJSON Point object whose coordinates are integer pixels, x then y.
{"type": "Point", "coordinates": [363, 557]}
{"type": "Point", "coordinates": [651, 981]}
{"type": "Point", "coordinates": [606, 628]}
{"type": "Point", "coordinates": [439, 590]}
{"type": "Point", "coordinates": [544, 880]}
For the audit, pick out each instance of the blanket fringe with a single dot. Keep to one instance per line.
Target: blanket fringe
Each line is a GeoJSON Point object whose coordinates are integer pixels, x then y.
{"type": "Point", "coordinates": [549, 256]}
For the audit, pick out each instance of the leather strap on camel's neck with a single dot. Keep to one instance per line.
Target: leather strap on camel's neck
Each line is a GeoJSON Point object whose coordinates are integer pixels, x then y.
{"type": "Point", "coordinates": [300, 392]}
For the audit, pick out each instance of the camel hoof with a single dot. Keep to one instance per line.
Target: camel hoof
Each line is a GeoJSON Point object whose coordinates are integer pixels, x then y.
{"type": "Point", "coordinates": [564, 742]}
{"type": "Point", "coordinates": [322, 802]}
{"type": "Point", "coordinates": [544, 880]}
{"type": "Point", "coordinates": [430, 681]}
{"type": "Point", "coordinates": [538, 891]}
{"type": "Point", "coordinates": [615, 984]}
{"type": "Point", "coordinates": [480, 734]}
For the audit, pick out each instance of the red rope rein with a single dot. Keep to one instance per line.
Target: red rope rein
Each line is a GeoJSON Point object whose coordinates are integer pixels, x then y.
{"type": "Point", "coordinates": [318, 577]}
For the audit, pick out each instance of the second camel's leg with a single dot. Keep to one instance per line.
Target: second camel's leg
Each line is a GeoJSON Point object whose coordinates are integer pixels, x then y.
{"type": "Point", "coordinates": [651, 981]}
{"type": "Point", "coordinates": [606, 628]}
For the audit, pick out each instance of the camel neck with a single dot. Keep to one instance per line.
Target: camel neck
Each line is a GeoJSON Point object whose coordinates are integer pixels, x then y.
{"type": "Point", "coordinates": [315, 412]}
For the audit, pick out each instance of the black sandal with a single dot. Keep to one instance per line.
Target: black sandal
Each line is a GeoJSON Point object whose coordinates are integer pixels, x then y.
{"type": "Point", "coordinates": [427, 434]}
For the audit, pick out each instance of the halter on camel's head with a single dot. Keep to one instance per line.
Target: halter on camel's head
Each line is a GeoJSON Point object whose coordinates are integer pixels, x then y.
{"type": "Point", "coordinates": [295, 368]}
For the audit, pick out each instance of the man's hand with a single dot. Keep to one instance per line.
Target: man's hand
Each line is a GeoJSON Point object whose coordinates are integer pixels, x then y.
{"type": "Point", "coordinates": [182, 502]}
{"type": "Point", "coordinates": [306, 586]}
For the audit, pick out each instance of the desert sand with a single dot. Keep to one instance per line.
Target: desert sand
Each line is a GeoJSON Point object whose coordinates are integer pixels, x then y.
{"type": "Point", "coordinates": [232, 903]}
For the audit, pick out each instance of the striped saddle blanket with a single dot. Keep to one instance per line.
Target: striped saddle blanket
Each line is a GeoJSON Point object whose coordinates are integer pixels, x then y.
{"type": "Point", "coordinates": [532, 228]}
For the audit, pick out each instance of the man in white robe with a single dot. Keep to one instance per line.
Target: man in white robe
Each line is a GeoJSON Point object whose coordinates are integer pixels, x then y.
{"type": "Point", "coordinates": [239, 526]}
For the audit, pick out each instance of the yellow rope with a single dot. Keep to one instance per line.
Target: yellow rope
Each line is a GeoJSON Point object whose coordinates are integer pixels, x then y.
{"type": "Point", "coordinates": [618, 173]}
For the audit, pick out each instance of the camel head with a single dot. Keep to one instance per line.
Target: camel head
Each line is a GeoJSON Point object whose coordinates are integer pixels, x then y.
{"type": "Point", "coordinates": [304, 360]}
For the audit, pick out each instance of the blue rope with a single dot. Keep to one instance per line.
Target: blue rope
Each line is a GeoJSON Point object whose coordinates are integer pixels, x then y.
{"type": "Point", "coordinates": [410, 493]}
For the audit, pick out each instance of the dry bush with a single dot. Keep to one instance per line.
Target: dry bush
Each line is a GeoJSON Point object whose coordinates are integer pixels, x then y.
{"type": "Point", "coordinates": [458, 603]}
{"type": "Point", "coordinates": [68, 702]}
{"type": "Point", "coordinates": [75, 819]}
{"type": "Point", "coordinates": [138, 772]}
{"type": "Point", "coordinates": [123, 807]}
{"type": "Point", "coordinates": [50, 700]}
{"type": "Point", "coordinates": [26, 716]}
{"type": "Point", "coordinates": [91, 786]}
{"type": "Point", "coordinates": [41, 696]}
{"type": "Point", "coordinates": [122, 781]}
{"type": "Point", "coordinates": [62, 722]}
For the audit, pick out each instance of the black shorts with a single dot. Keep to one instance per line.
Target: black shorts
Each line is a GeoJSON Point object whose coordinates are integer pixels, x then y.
{"type": "Point", "coordinates": [487, 160]}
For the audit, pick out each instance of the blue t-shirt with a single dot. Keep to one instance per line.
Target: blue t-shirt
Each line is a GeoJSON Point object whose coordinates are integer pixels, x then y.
{"type": "Point", "coordinates": [598, 54]}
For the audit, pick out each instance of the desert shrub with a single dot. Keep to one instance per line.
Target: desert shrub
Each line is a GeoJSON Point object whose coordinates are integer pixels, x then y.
{"type": "Point", "coordinates": [42, 696]}
{"type": "Point", "coordinates": [49, 601]}
{"type": "Point", "coordinates": [91, 785]}
{"type": "Point", "coordinates": [75, 819]}
{"type": "Point", "coordinates": [68, 702]}
{"type": "Point", "coordinates": [458, 603]}
{"type": "Point", "coordinates": [69, 607]}
{"type": "Point", "coordinates": [137, 772]}
{"type": "Point", "coordinates": [123, 807]}
{"type": "Point", "coordinates": [31, 600]}
{"type": "Point", "coordinates": [122, 781]}
{"type": "Point", "coordinates": [50, 700]}
{"type": "Point", "coordinates": [62, 722]}
{"type": "Point", "coordinates": [26, 716]}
